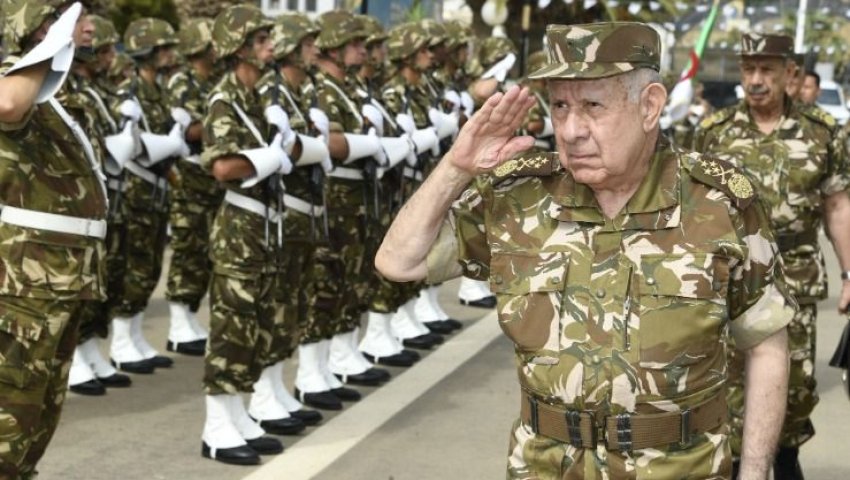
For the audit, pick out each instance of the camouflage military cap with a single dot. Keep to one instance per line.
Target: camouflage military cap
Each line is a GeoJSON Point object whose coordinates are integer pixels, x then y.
{"type": "Point", "coordinates": [766, 45]}
{"type": "Point", "coordinates": [405, 40]}
{"type": "Point", "coordinates": [598, 50]}
{"type": "Point", "coordinates": [104, 32]}
{"type": "Point", "coordinates": [234, 25]}
{"type": "Point", "coordinates": [493, 49]}
{"type": "Point", "coordinates": [536, 61]}
{"type": "Point", "coordinates": [339, 27]}
{"type": "Point", "coordinates": [289, 30]}
{"type": "Point", "coordinates": [374, 28]}
{"type": "Point", "coordinates": [457, 34]}
{"type": "Point", "coordinates": [144, 34]}
{"type": "Point", "coordinates": [195, 36]}
{"type": "Point", "coordinates": [21, 18]}
{"type": "Point", "coordinates": [435, 31]}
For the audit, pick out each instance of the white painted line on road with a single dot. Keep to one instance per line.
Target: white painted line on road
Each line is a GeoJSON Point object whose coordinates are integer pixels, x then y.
{"type": "Point", "coordinates": [322, 447]}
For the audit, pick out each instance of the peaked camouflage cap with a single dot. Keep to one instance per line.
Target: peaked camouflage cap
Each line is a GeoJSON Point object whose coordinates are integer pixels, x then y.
{"type": "Point", "coordinates": [457, 34]}
{"type": "Point", "coordinates": [289, 30]}
{"type": "Point", "coordinates": [493, 49]}
{"type": "Point", "coordinates": [406, 39]}
{"type": "Point", "coordinates": [767, 45]}
{"type": "Point", "coordinates": [339, 27]}
{"type": "Point", "coordinates": [598, 50]}
{"type": "Point", "coordinates": [235, 25]}
{"type": "Point", "coordinates": [195, 36]}
{"type": "Point", "coordinates": [21, 18]}
{"type": "Point", "coordinates": [104, 32]}
{"type": "Point", "coordinates": [374, 28]}
{"type": "Point", "coordinates": [145, 34]}
{"type": "Point", "coordinates": [435, 31]}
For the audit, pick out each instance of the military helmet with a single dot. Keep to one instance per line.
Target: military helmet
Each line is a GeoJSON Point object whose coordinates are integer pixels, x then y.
{"type": "Point", "coordinates": [104, 32]}
{"type": "Point", "coordinates": [536, 61]}
{"type": "Point", "coordinates": [374, 28]}
{"type": "Point", "coordinates": [195, 36]}
{"type": "Point", "coordinates": [145, 34]}
{"type": "Point", "coordinates": [434, 31]}
{"type": "Point", "coordinates": [493, 49]}
{"type": "Point", "coordinates": [289, 30]}
{"type": "Point", "coordinates": [339, 27]}
{"type": "Point", "coordinates": [21, 18]}
{"type": "Point", "coordinates": [405, 40]}
{"type": "Point", "coordinates": [234, 25]}
{"type": "Point", "coordinates": [457, 34]}
{"type": "Point", "coordinates": [121, 62]}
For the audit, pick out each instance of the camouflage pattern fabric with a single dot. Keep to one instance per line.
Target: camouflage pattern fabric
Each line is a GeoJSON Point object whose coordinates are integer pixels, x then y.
{"type": "Point", "coordinates": [339, 27]}
{"type": "Point", "coordinates": [38, 341]}
{"type": "Point", "coordinates": [289, 30]}
{"type": "Point", "coordinates": [405, 40]}
{"type": "Point", "coordinates": [195, 36]}
{"type": "Point", "coordinates": [627, 314]}
{"type": "Point", "coordinates": [244, 250]}
{"type": "Point", "coordinates": [144, 34]}
{"type": "Point", "coordinates": [195, 199]}
{"type": "Point", "coordinates": [20, 19]}
{"type": "Point", "coordinates": [766, 44]}
{"type": "Point", "coordinates": [233, 27]}
{"type": "Point", "coordinates": [803, 160]}
{"type": "Point", "coordinates": [145, 207]}
{"type": "Point", "coordinates": [599, 50]}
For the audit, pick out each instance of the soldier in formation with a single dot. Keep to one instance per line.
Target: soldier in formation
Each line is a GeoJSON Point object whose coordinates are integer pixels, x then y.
{"type": "Point", "coordinates": [796, 156]}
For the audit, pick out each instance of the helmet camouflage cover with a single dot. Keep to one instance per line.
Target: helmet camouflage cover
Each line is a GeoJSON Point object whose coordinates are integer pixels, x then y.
{"type": "Point", "coordinates": [121, 62]}
{"type": "Point", "coordinates": [21, 18]}
{"type": "Point", "coordinates": [434, 31]}
{"type": "Point", "coordinates": [104, 32]}
{"type": "Point", "coordinates": [374, 28]}
{"type": "Point", "coordinates": [598, 50]}
{"type": "Point", "coordinates": [145, 34]}
{"type": "Point", "coordinates": [289, 30]}
{"type": "Point", "coordinates": [457, 34]}
{"type": "Point", "coordinates": [339, 27]}
{"type": "Point", "coordinates": [405, 40]}
{"type": "Point", "coordinates": [195, 36]}
{"type": "Point", "coordinates": [234, 25]}
{"type": "Point", "coordinates": [493, 49]}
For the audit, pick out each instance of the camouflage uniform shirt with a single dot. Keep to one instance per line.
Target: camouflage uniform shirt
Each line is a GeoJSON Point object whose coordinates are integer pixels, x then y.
{"type": "Point", "coordinates": [803, 160]}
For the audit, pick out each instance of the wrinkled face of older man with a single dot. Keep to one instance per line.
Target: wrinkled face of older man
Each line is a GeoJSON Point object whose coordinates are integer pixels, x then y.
{"type": "Point", "coordinates": [602, 126]}
{"type": "Point", "coordinates": [764, 80]}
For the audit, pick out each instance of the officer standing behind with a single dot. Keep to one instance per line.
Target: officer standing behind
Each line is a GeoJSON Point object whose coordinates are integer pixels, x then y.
{"type": "Point", "coordinates": [798, 160]}
{"type": "Point", "coordinates": [618, 263]}
{"type": "Point", "coordinates": [51, 229]}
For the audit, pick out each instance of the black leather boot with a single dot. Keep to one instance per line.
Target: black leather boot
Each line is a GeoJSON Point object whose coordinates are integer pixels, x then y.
{"type": "Point", "coordinates": [786, 465]}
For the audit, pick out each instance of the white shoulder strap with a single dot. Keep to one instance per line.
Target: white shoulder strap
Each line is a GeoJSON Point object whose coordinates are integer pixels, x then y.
{"type": "Point", "coordinates": [348, 101]}
{"type": "Point", "coordinates": [242, 116]}
{"type": "Point", "coordinates": [83, 139]}
{"type": "Point", "coordinates": [102, 107]}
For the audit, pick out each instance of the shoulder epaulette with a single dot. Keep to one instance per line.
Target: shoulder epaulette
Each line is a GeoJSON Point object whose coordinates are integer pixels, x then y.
{"type": "Point", "coordinates": [819, 115]}
{"type": "Point", "coordinates": [717, 118]}
{"type": "Point", "coordinates": [723, 176]}
{"type": "Point", "coordinates": [528, 165]}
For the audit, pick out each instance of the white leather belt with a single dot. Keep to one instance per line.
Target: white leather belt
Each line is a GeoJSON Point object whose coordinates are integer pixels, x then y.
{"type": "Point", "coordinates": [412, 174]}
{"type": "Point", "coordinates": [146, 175]}
{"type": "Point", "coordinates": [53, 222]}
{"type": "Point", "coordinates": [307, 208]}
{"type": "Point", "coordinates": [346, 173]}
{"type": "Point", "coordinates": [254, 206]}
{"type": "Point", "coordinates": [196, 159]}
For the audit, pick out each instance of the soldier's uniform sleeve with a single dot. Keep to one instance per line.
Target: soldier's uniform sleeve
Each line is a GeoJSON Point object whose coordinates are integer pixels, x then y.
{"type": "Point", "coordinates": [220, 134]}
{"type": "Point", "coordinates": [837, 178]}
{"type": "Point", "coordinates": [461, 247]}
{"type": "Point", "coordinates": [180, 94]}
{"type": "Point", "coordinates": [7, 63]}
{"type": "Point", "coordinates": [329, 103]}
{"type": "Point", "coordinates": [759, 306]}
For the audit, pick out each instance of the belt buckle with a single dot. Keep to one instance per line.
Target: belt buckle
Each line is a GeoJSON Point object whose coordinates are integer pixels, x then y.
{"type": "Point", "coordinates": [573, 419]}
{"type": "Point", "coordinates": [534, 416]}
{"type": "Point", "coordinates": [685, 428]}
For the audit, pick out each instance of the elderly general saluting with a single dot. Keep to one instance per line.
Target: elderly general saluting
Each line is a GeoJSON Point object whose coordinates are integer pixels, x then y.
{"type": "Point", "coordinates": [620, 266]}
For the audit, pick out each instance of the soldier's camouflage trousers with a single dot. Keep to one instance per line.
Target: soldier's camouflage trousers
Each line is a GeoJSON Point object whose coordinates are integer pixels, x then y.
{"type": "Point", "coordinates": [146, 222]}
{"type": "Point", "coordinates": [191, 218]}
{"type": "Point", "coordinates": [532, 456]}
{"type": "Point", "coordinates": [242, 318]}
{"type": "Point", "coordinates": [37, 341]}
{"type": "Point", "coordinates": [94, 317]}
{"type": "Point", "coordinates": [385, 296]}
{"type": "Point", "coordinates": [802, 395]}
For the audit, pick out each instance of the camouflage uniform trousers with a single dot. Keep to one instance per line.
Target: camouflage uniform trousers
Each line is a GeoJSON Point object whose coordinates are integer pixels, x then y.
{"type": "Point", "coordinates": [242, 322]}
{"type": "Point", "coordinates": [191, 218]}
{"type": "Point", "coordinates": [802, 394]}
{"type": "Point", "coordinates": [537, 457]}
{"type": "Point", "coordinates": [387, 296]}
{"type": "Point", "coordinates": [146, 221]}
{"type": "Point", "coordinates": [338, 286]}
{"type": "Point", "coordinates": [36, 343]}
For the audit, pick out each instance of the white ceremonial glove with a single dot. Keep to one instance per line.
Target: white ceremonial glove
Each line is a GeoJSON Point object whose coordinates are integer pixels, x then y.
{"type": "Point", "coordinates": [411, 159]}
{"type": "Point", "coordinates": [131, 110]}
{"type": "Point", "coordinates": [278, 142]}
{"type": "Point", "coordinates": [380, 156]}
{"type": "Point", "coordinates": [467, 104]}
{"type": "Point", "coordinates": [435, 117]}
{"type": "Point", "coordinates": [375, 118]}
{"type": "Point", "coordinates": [500, 70]}
{"type": "Point", "coordinates": [453, 97]}
{"type": "Point", "coordinates": [181, 117]}
{"type": "Point", "coordinates": [276, 117]}
{"type": "Point", "coordinates": [327, 164]}
{"type": "Point", "coordinates": [177, 134]}
{"type": "Point", "coordinates": [320, 122]}
{"type": "Point", "coordinates": [405, 122]}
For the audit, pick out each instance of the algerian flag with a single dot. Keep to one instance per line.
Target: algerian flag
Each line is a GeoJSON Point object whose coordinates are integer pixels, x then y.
{"type": "Point", "coordinates": [683, 92]}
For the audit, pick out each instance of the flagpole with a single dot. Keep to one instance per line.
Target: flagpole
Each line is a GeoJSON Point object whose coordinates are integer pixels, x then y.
{"type": "Point", "coordinates": [801, 26]}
